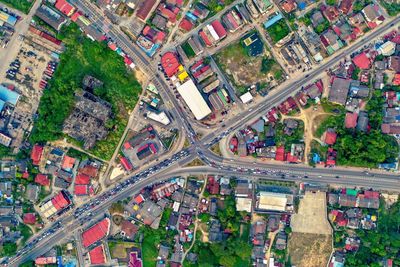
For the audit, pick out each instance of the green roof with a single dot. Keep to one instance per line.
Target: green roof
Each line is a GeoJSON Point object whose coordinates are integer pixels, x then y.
{"type": "Point", "coordinates": [351, 192]}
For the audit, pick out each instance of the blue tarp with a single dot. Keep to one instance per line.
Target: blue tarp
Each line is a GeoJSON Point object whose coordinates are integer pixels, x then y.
{"type": "Point", "coordinates": [316, 158]}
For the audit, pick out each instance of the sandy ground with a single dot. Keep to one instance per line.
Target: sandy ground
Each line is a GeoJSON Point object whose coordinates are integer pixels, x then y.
{"type": "Point", "coordinates": [310, 250]}
{"type": "Point", "coordinates": [312, 218]}
{"type": "Point", "coordinates": [140, 76]}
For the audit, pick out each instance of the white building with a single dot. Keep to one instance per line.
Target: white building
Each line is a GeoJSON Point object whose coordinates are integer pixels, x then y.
{"type": "Point", "coordinates": [194, 100]}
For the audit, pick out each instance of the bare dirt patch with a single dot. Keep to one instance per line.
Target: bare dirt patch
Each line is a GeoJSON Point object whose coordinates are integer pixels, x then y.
{"type": "Point", "coordinates": [311, 217]}
{"type": "Point", "coordinates": [310, 250]}
{"type": "Point", "coordinates": [140, 76]}
{"type": "Point", "coordinates": [317, 121]}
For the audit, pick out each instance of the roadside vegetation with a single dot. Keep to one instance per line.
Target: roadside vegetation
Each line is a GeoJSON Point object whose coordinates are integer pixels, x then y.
{"type": "Point", "coordinates": [84, 57]}
{"type": "Point", "coordinates": [393, 9]}
{"type": "Point", "coordinates": [21, 5]}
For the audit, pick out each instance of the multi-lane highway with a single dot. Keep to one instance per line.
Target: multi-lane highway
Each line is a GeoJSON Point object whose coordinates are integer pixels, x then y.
{"type": "Point", "coordinates": [67, 224]}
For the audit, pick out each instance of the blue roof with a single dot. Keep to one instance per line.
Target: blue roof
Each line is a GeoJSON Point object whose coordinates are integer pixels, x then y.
{"type": "Point", "coordinates": [302, 5]}
{"type": "Point", "coordinates": [8, 95]}
{"type": "Point", "coordinates": [316, 158]}
{"type": "Point", "coordinates": [2, 103]}
{"type": "Point", "coordinates": [272, 20]}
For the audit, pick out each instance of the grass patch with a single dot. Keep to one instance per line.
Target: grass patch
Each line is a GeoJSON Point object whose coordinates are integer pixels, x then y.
{"type": "Point", "coordinates": [216, 149]}
{"type": "Point", "coordinates": [195, 162]}
{"type": "Point", "coordinates": [26, 233]}
{"type": "Point", "coordinates": [21, 5]}
{"type": "Point", "coordinates": [83, 57]}
{"type": "Point", "coordinates": [278, 31]}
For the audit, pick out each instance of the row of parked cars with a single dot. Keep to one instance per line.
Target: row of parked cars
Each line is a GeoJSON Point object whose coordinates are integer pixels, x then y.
{"type": "Point", "coordinates": [47, 74]}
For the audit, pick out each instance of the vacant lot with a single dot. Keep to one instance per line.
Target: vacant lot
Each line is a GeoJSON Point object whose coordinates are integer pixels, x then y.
{"type": "Point", "coordinates": [22, 5]}
{"type": "Point", "coordinates": [242, 69]}
{"type": "Point", "coordinates": [278, 31]}
{"type": "Point", "coordinates": [309, 250]}
{"type": "Point", "coordinates": [118, 249]}
{"type": "Point", "coordinates": [311, 217]}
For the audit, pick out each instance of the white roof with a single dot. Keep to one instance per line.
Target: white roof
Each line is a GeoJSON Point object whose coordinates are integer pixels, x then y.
{"type": "Point", "coordinates": [246, 98]}
{"type": "Point", "coordinates": [272, 201]}
{"type": "Point", "coordinates": [243, 204]}
{"type": "Point", "coordinates": [213, 32]}
{"type": "Point", "coordinates": [194, 99]}
{"type": "Point", "coordinates": [159, 117]}
{"type": "Point", "coordinates": [387, 49]}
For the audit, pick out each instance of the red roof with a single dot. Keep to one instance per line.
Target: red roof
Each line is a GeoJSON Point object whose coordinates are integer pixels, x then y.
{"type": "Point", "coordinates": [126, 164]}
{"type": "Point", "coordinates": [42, 179]}
{"type": "Point", "coordinates": [345, 6]}
{"type": "Point", "coordinates": [68, 163]}
{"type": "Point", "coordinates": [127, 145]}
{"type": "Point", "coordinates": [80, 190]}
{"type": "Point", "coordinates": [25, 175]}
{"type": "Point", "coordinates": [186, 25]}
{"type": "Point", "coordinates": [82, 179]}
{"type": "Point", "coordinates": [145, 9]}
{"type": "Point", "coordinates": [212, 186]}
{"type": "Point", "coordinates": [219, 29]}
{"type": "Point", "coordinates": [139, 199]}
{"type": "Point", "coordinates": [96, 232]}
{"type": "Point", "coordinates": [65, 7]}
{"type": "Point", "coordinates": [396, 79]}
{"type": "Point", "coordinates": [289, 6]}
{"type": "Point", "coordinates": [371, 194]}
{"type": "Point", "coordinates": [97, 255]}
{"type": "Point", "coordinates": [170, 63]}
{"type": "Point", "coordinates": [75, 16]}
{"type": "Point", "coordinates": [280, 153]}
{"type": "Point", "coordinates": [168, 13]}
{"type": "Point", "coordinates": [330, 137]}
{"type": "Point", "coordinates": [291, 158]}
{"type": "Point", "coordinates": [205, 38]}
{"type": "Point", "coordinates": [29, 218]}
{"type": "Point", "coordinates": [362, 61]}
{"type": "Point", "coordinates": [351, 120]}
{"type": "Point", "coordinates": [36, 154]}
{"type": "Point", "coordinates": [45, 260]}
{"type": "Point", "coordinates": [135, 260]}
{"type": "Point", "coordinates": [60, 201]}
{"type": "Point", "coordinates": [89, 170]}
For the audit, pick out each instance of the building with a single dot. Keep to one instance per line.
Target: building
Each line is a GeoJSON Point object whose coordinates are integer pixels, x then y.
{"type": "Point", "coordinates": [97, 255]}
{"type": "Point", "coordinates": [194, 100]}
{"type": "Point", "coordinates": [7, 18]}
{"type": "Point", "coordinates": [160, 117]}
{"type": "Point", "coordinates": [36, 154]}
{"type": "Point", "coordinates": [271, 201]}
{"type": "Point", "coordinates": [96, 232]}
{"type": "Point", "coordinates": [51, 17]}
{"type": "Point", "coordinates": [170, 63]}
{"type": "Point", "coordinates": [55, 205]}
{"type": "Point", "coordinates": [372, 15]}
{"type": "Point", "coordinates": [145, 9]}
{"type": "Point", "coordinates": [146, 151]}
{"type": "Point", "coordinates": [212, 33]}
{"type": "Point", "coordinates": [64, 7]}
{"type": "Point", "coordinates": [339, 90]}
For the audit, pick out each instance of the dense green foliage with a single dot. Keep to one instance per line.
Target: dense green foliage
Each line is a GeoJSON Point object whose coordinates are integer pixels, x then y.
{"type": "Point", "coordinates": [8, 249]}
{"type": "Point", "coordinates": [361, 149]}
{"type": "Point", "coordinates": [278, 31]}
{"type": "Point", "coordinates": [188, 50]}
{"type": "Point", "coordinates": [287, 140]}
{"type": "Point", "coordinates": [331, 2]}
{"type": "Point", "coordinates": [83, 57]}
{"type": "Point", "coordinates": [393, 9]}
{"type": "Point", "coordinates": [267, 64]}
{"type": "Point", "coordinates": [358, 5]}
{"type": "Point", "coordinates": [22, 5]}
{"type": "Point", "coordinates": [384, 242]}
{"type": "Point", "coordinates": [4, 151]}
{"type": "Point", "coordinates": [322, 27]}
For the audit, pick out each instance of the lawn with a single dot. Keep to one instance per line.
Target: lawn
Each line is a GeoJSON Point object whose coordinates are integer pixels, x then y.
{"type": "Point", "coordinates": [278, 31]}
{"type": "Point", "coordinates": [188, 50]}
{"type": "Point", "coordinates": [22, 5]}
{"type": "Point", "coordinates": [83, 57]}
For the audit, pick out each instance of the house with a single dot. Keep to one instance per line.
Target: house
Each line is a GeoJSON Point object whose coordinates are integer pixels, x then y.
{"type": "Point", "coordinates": [329, 136]}
{"type": "Point", "coordinates": [331, 41]}
{"type": "Point", "coordinates": [145, 8]}
{"type": "Point", "coordinates": [394, 63]}
{"type": "Point", "coordinates": [339, 218]}
{"type": "Point", "coordinates": [369, 199]}
{"type": "Point", "coordinates": [287, 106]}
{"type": "Point", "coordinates": [29, 218]}
{"type": "Point", "coordinates": [212, 185]}
{"type": "Point", "coordinates": [362, 122]}
{"type": "Point", "coordinates": [339, 90]}
{"type": "Point", "coordinates": [32, 192]}
{"type": "Point", "coordinates": [36, 154]}
{"type": "Point", "coordinates": [51, 17]}
{"type": "Point", "coordinates": [42, 179]}
{"type": "Point", "coordinates": [387, 49]}
{"type": "Point", "coordinates": [372, 15]}
{"type": "Point", "coordinates": [345, 6]}
{"type": "Point", "coordinates": [64, 7]}
{"type": "Point", "coordinates": [317, 18]}
{"type": "Point", "coordinates": [363, 60]}
{"type": "Point", "coordinates": [396, 79]}
{"type": "Point", "coordinates": [289, 5]}
{"type": "Point", "coordinates": [281, 240]}
{"type": "Point", "coordinates": [331, 13]}
{"type": "Point", "coordinates": [352, 244]}
{"type": "Point", "coordinates": [186, 25]}
{"type": "Point", "coordinates": [128, 229]}
{"type": "Point", "coordinates": [280, 154]}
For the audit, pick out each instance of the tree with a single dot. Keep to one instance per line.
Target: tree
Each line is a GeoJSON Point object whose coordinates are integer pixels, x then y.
{"type": "Point", "coordinates": [9, 248]}
{"type": "Point", "coordinates": [267, 64]}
